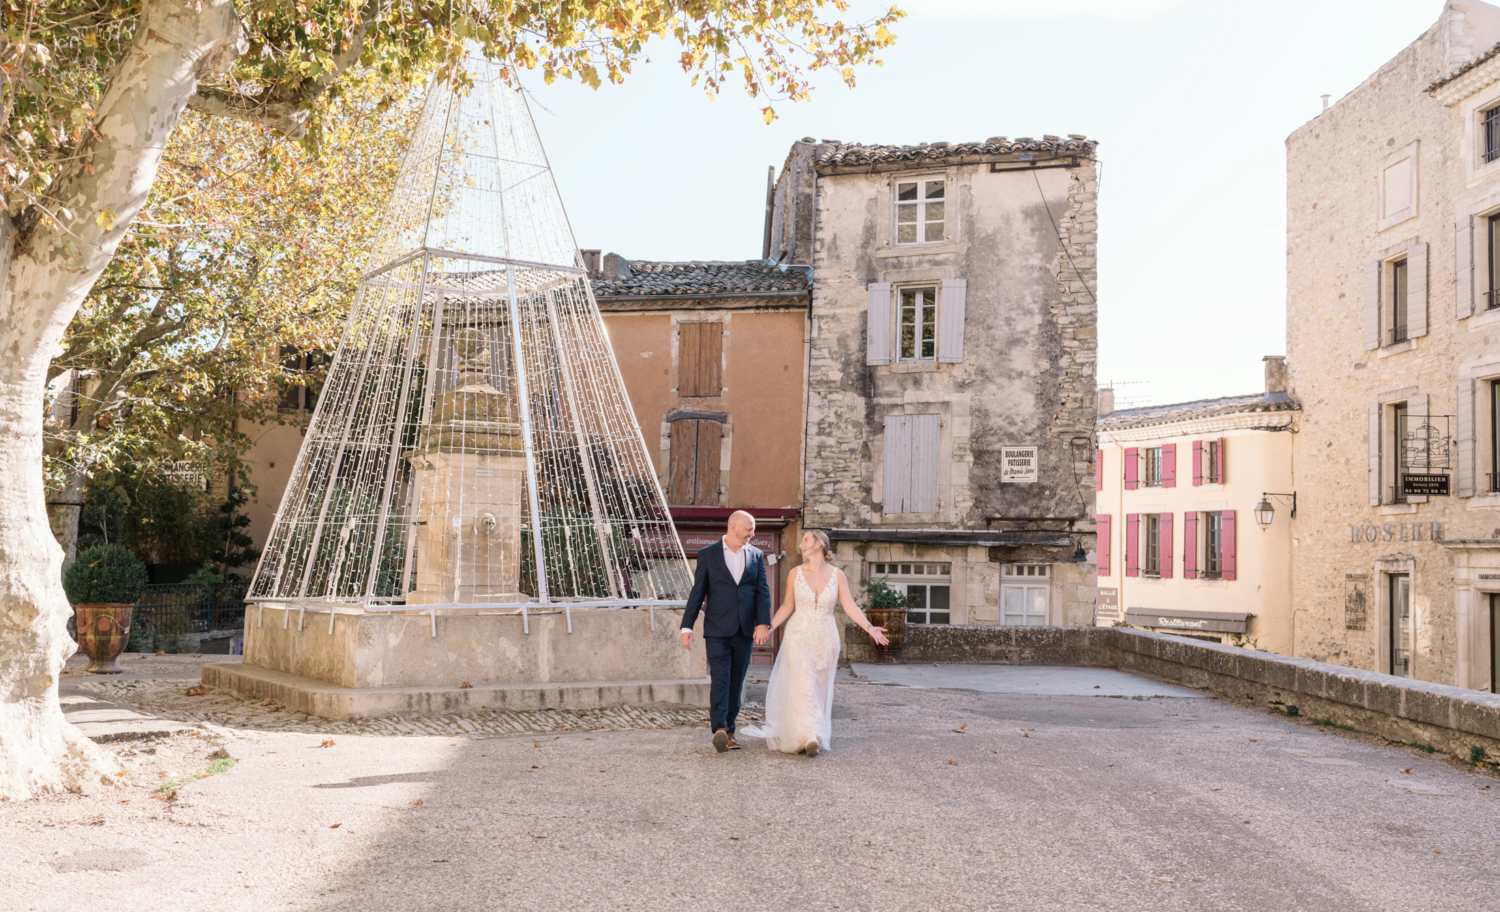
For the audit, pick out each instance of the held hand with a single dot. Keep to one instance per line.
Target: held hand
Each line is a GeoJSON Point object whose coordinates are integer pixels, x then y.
{"type": "Point", "coordinates": [762, 635]}
{"type": "Point", "coordinates": [878, 635]}
{"type": "Point", "coordinates": [687, 639]}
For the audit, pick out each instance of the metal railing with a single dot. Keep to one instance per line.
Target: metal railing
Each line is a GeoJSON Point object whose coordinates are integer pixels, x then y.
{"type": "Point", "coordinates": [1398, 334]}
{"type": "Point", "coordinates": [1491, 134]}
{"type": "Point", "coordinates": [1492, 482]}
{"type": "Point", "coordinates": [1492, 299]}
{"type": "Point", "coordinates": [180, 608]}
{"type": "Point", "coordinates": [1398, 496]}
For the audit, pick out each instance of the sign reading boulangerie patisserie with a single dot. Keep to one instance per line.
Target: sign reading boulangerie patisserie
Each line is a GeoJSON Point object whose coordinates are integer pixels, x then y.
{"type": "Point", "coordinates": [1017, 464]}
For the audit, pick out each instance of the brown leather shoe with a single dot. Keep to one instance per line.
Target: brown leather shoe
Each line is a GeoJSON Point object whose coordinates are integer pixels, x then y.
{"type": "Point", "coordinates": [721, 741]}
{"type": "Point", "coordinates": [733, 744]}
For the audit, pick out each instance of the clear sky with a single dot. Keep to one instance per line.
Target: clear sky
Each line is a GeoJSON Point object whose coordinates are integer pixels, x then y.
{"type": "Point", "coordinates": [1191, 103]}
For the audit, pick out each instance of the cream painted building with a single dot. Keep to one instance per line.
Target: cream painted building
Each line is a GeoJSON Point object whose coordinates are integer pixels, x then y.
{"type": "Point", "coordinates": [950, 409]}
{"type": "Point", "coordinates": [1180, 547]}
{"type": "Point", "coordinates": [1393, 345]}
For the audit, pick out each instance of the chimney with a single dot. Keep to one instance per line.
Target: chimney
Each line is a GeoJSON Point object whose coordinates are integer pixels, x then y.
{"type": "Point", "coordinates": [614, 267]}
{"type": "Point", "coordinates": [1325, 102]}
{"type": "Point", "coordinates": [593, 261]}
{"type": "Point", "coordinates": [1106, 401]}
{"type": "Point", "coordinates": [1275, 373]}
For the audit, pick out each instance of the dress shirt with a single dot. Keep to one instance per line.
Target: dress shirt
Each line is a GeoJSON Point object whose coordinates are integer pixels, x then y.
{"type": "Point", "coordinates": [735, 561]}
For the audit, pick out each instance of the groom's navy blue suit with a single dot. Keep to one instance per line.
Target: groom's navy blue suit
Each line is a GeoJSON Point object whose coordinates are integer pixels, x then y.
{"type": "Point", "coordinates": [733, 612]}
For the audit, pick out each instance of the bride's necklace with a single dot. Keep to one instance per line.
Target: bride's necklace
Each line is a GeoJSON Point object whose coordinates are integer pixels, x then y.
{"type": "Point", "coordinates": [817, 590]}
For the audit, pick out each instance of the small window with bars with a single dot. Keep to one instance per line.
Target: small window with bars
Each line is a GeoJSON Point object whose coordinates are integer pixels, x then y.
{"type": "Point", "coordinates": [1211, 471]}
{"type": "Point", "coordinates": [1491, 121]}
{"type": "Point", "coordinates": [1151, 459]}
{"type": "Point", "coordinates": [919, 211]}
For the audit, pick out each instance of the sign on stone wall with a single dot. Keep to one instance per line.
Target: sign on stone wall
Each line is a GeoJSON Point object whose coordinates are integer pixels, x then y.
{"type": "Point", "coordinates": [1425, 485]}
{"type": "Point", "coordinates": [1356, 601]}
{"type": "Point", "coordinates": [1017, 464]}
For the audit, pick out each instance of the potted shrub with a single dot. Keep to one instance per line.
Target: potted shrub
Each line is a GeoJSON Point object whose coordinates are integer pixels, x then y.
{"type": "Point", "coordinates": [104, 585]}
{"type": "Point", "coordinates": [886, 607]}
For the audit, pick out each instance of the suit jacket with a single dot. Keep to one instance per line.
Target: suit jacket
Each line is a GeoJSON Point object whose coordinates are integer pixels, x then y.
{"type": "Point", "coordinates": [733, 609]}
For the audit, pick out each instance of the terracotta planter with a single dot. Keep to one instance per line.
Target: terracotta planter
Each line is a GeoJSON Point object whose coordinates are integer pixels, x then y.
{"type": "Point", "coordinates": [103, 630]}
{"type": "Point", "coordinates": [894, 622]}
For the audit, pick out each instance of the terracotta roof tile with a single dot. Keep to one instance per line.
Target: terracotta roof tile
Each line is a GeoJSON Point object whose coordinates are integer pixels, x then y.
{"type": "Point", "coordinates": [846, 154]}
{"type": "Point", "coordinates": [1149, 415]}
{"type": "Point", "coordinates": [1464, 69]}
{"type": "Point", "coordinates": [700, 277]}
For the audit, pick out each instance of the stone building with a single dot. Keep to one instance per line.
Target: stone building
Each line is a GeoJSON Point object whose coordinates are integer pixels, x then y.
{"type": "Point", "coordinates": [1182, 547]}
{"type": "Point", "coordinates": [951, 402]}
{"type": "Point", "coordinates": [1393, 344]}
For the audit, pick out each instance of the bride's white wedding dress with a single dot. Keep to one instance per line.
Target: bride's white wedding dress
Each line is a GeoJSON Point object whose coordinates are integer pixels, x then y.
{"type": "Point", "coordinates": [799, 697]}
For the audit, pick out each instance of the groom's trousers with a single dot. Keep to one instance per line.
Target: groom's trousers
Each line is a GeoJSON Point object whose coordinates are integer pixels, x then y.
{"type": "Point", "coordinates": [728, 660]}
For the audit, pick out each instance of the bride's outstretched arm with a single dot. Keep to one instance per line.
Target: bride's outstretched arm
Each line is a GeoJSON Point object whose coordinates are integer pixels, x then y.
{"type": "Point", "coordinates": [847, 600]}
{"type": "Point", "coordinates": [788, 604]}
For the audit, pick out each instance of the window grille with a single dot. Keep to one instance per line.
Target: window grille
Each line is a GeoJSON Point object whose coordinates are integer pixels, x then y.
{"type": "Point", "coordinates": [1491, 134]}
{"type": "Point", "coordinates": [1152, 457]}
{"type": "Point", "coordinates": [1211, 455]}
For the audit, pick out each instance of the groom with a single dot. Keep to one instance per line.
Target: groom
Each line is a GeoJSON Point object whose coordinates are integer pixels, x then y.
{"type": "Point", "coordinates": [731, 575]}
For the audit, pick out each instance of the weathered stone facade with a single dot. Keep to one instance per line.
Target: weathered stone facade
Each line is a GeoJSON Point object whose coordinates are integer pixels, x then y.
{"type": "Point", "coordinates": [1005, 273]}
{"type": "Point", "coordinates": [1393, 352]}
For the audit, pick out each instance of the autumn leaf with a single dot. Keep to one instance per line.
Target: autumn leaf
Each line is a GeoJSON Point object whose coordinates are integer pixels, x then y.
{"type": "Point", "coordinates": [768, 114]}
{"type": "Point", "coordinates": [327, 742]}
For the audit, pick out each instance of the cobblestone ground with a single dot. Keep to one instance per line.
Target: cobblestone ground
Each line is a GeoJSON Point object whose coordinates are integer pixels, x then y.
{"type": "Point", "coordinates": [220, 709]}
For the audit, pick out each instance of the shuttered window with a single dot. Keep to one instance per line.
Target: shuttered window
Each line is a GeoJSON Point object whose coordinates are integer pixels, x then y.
{"type": "Point", "coordinates": [951, 308]}
{"type": "Point", "coordinates": [695, 462]}
{"type": "Point", "coordinates": [1227, 567]}
{"type": "Point", "coordinates": [878, 323]}
{"type": "Point", "coordinates": [700, 350]}
{"type": "Point", "coordinates": [1190, 545]}
{"type": "Point", "coordinates": [1467, 456]}
{"type": "Point", "coordinates": [1102, 549]}
{"type": "Point", "coordinates": [1098, 470]}
{"type": "Point", "coordinates": [918, 334]}
{"type": "Point", "coordinates": [1132, 544]}
{"type": "Point", "coordinates": [911, 463]}
{"type": "Point", "coordinates": [1164, 545]}
{"type": "Point", "coordinates": [1132, 468]}
{"type": "Point", "coordinates": [1169, 465]}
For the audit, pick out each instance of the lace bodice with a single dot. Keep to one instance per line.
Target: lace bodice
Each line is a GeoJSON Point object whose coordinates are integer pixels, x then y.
{"type": "Point", "coordinates": [816, 604]}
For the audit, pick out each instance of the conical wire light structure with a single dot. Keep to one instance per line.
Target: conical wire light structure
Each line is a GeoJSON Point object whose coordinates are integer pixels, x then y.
{"type": "Point", "coordinates": [473, 445]}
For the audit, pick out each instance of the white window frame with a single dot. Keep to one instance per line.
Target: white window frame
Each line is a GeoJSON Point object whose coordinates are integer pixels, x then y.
{"type": "Point", "coordinates": [904, 575]}
{"type": "Point", "coordinates": [1151, 458]}
{"type": "Point", "coordinates": [920, 204]}
{"type": "Point", "coordinates": [931, 325]}
{"type": "Point", "coordinates": [1026, 578]}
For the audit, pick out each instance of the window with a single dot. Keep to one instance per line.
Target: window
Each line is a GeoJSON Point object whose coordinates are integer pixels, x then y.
{"type": "Point", "coordinates": [1024, 591]}
{"type": "Point", "coordinates": [1399, 273]}
{"type": "Point", "coordinates": [919, 212]}
{"type": "Point", "coordinates": [1151, 566]}
{"type": "Point", "coordinates": [1213, 451]}
{"type": "Point", "coordinates": [918, 324]}
{"type": "Point", "coordinates": [1396, 197]}
{"type": "Point", "coordinates": [1398, 429]}
{"type": "Point", "coordinates": [1152, 459]}
{"type": "Point", "coordinates": [1492, 134]}
{"type": "Point", "coordinates": [700, 349]}
{"type": "Point", "coordinates": [1492, 478]}
{"type": "Point", "coordinates": [694, 462]}
{"type": "Point", "coordinates": [1492, 295]}
{"type": "Point", "coordinates": [1213, 545]}
{"type": "Point", "coordinates": [309, 368]}
{"type": "Point", "coordinates": [1400, 625]}
{"type": "Point", "coordinates": [926, 585]}
{"type": "Point", "coordinates": [911, 464]}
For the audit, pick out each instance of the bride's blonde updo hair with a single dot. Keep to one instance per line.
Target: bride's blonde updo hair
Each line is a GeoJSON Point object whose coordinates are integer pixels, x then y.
{"type": "Point", "coordinates": [821, 538]}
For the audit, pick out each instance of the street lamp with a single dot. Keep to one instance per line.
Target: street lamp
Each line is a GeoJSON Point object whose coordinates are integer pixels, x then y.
{"type": "Point", "coordinates": [1264, 512]}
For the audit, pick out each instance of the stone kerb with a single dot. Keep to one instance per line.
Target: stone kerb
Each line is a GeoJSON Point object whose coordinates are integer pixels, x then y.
{"type": "Point", "coordinates": [1446, 718]}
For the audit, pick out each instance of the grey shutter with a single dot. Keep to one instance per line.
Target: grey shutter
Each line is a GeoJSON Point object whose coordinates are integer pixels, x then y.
{"type": "Point", "coordinates": [878, 335]}
{"type": "Point", "coordinates": [1466, 455]}
{"type": "Point", "coordinates": [1416, 411]}
{"type": "Point", "coordinates": [950, 341]}
{"type": "Point", "coordinates": [1416, 290]}
{"type": "Point", "coordinates": [897, 476]}
{"type": "Point", "coordinates": [1372, 306]}
{"type": "Point", "coordinates": [1375, 455]}
{"type": "Point", "coordinates": [925, 430]}
{"type": "Point", "coordinates": [1463, 261]}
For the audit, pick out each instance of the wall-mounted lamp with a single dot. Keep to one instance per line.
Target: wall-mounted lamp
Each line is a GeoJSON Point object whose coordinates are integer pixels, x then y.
{"type": "Point", "coordinates": [1264, 512]}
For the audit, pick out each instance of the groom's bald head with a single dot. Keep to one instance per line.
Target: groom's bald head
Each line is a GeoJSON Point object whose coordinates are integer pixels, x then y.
{"type": "Point", "coordinates": [741, 528]}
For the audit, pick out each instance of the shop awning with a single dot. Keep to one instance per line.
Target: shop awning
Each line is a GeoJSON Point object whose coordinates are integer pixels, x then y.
{"type": "Point", "coordinates": [1179, 619]}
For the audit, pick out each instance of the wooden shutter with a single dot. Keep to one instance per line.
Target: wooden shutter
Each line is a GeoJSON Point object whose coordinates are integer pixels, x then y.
{"type": "Point", "coordinates": [710, 437]}
{"type": "Point", "coordinates": [1132, 469]}
{"type": "Point", "coordinates": [1463, 256]}
{"type": "Point", "coordinates": [1098, 470]}
{"type": "Point", "coordinates": [1372, 306]}
{"type": "Point", "coordinates": [1169, 465]}
{"type": "Point", "coordinates": [1374, 455]}
{"type": "Point", "coordinates": [1467, 457]}
{"type": "Point", "coordinates": [1164, 544]}
{"type": "Point", "coordinates": [1220, 460]}
{"type": "Point", "coordinates": [1228, 534]}
{"type": "Point", "coordinates": [682, 484]}
{"type": "Point", "coordinates": [878, 324]}
{"type": "Point", "coordinates": [700, 350]}
{"type": "Point", "coordinates": [1132, 544]}
{"type": "Point", "coordinates": [1197, 463]}
{"type": "Point", "coordinates": [950, 340]}
{"type": "Point", "coordinates": [1102, 543]}
{"type": "Point", "coordinates": [1190, 545]}
{"type": "Point", "coordinates": [925, 430]}
{"type": "Point", "coordinates": [1416, 290]}
{"type": "Point", "coordinates": [897, 475]}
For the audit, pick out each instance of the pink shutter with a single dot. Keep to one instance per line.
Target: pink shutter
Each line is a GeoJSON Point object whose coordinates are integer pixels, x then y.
{"type": "Point", "coordinates": [1132, 544]}
{"type": "Point", "coordinates": [1197, 463]}
{"type": "Point", "coordinates": [1190, 545]}
{"type": "Point", "coordinates": [1098, 470]}
{"type": "Point", "coordinates": [1220, 460]}
{"type": "Point", "coordinates": [1132, 469]}
{"type": "Point", "coordinates": [1169, 465]}
{"type": "Point", "coordinates": [1164, 544]}
{"type": "Point", "coordinates": [1102, 548]}
{"type": "Point", "coordinates": [1228, 543]}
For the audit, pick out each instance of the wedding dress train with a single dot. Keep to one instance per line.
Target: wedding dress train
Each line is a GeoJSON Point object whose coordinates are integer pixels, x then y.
{"type": "Point", "coordinates": [799, 697]}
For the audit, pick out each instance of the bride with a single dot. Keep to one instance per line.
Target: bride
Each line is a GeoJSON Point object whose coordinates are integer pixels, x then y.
{"type": "Point", "coordinates": [799, 698]}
